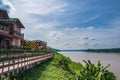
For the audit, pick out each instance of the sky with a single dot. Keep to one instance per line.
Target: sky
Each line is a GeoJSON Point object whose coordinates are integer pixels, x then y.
{"type": "Point", "coordinates": [69, 24]}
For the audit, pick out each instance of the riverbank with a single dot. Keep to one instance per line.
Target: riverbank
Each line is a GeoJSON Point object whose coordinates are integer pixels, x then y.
{"type": "Point", "coordinates": [58, 68]}
{"type": "Point", "coordinates": [105, 59]}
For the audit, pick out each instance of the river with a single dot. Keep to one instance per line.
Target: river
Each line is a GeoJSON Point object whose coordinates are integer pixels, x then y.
{"type": "Point", "coordinates": [106, 58]}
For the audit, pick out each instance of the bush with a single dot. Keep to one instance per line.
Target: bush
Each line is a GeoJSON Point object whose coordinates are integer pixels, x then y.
{"type": "Point", "coordinates": [27, 48]}
{"type": "Point", "coordinates": [92, 72]}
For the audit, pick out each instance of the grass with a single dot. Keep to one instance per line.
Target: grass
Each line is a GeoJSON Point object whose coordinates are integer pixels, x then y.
{"type": "Point", "coordinates": [49, 70]}
{"type": "Point", "coordinates": [63, 68]}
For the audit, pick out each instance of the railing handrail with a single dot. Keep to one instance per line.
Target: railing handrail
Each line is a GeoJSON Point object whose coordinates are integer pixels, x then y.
{"type": "Point", "coordinates": [30, 60]}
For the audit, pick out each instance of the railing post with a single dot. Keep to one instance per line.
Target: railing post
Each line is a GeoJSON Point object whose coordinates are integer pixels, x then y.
{"type": "Point", "coordinates": [9, 66]}
{"type": "Point", "coordinates": [13, 65]}
{"type": "Point", "coordinates": [18, 63]}
{"type": "Point", "coordinates": [27, 60]}
{"type": "Point", "coordinates": [2, 67]}
{"type": "Point", "coordinates": [24, 61]}
{"type": "Point", "coordinates": [21, 62]}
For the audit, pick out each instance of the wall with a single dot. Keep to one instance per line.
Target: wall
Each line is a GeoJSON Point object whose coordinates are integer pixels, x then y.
{"type": "Point", "coordinates": [16, 42]}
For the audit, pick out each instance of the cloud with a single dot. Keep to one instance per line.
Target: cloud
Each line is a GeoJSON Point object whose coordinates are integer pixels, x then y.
{"type": "Point", "coordinates": [86, 38]}
{"type": "Point", "coordinates": [33, 13]}
{"type": "Point", "coordinates": [7, 5]}
{"type": "Point", "coordinates": [36, 15]}
{"type": "Point", "coordinates": [40, 30]}
{"type": "Point", "coordinates": [72, 29]}
{"type": "Point", "coordinates": [79, 29]}
{"type": "Point", "coordinates": [55, 36]}
{"type": "Point", "coordinates": [67, 43]}
{"type": "Point", "coordinates": [92, 39]}
{"type": "Point", "coordinates": [90, 19]}
{"type": "Point", "coordinates": [46, 25]}
{"type": "Point", "coordinates": [41, 7]}
{"type": "Point", "coordinates": [90, 28]}
{"type": "Point", "coordinates": [66, 24]}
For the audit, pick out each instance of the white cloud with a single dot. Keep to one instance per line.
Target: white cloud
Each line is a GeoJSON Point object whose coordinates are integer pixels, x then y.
{"type": "Point", "coordinates": [79, 29]}
{"type": "Point", "coordinates": [46, 25]}
{"type": "Point", "coordinates": [40, 31]}
{"type": "Point", "coordinates": [37, 26]}
{"type": "Point", "coordinates": [66, 43]}
{"type": "Point", "coordinates": [92, 39]}
{"type": "Point", "coordinates": [90, 28]}
{"type": "Point", "coordinates": [8, 4]}
{"type": "Point", "coordinates": [55, 35]}
{"type": "Point", "coordinates": [72, 29]}
{"type": "Point", "coordinates": [90, 19]}
{"type": "Point", "coordinates": [88, 38]}
{"type": "Point", "coordinates": [85, 38]}
{"type": "Point", "coordinates": [69, 38]}
{"type": "Point", "coordinates": [41, 7]}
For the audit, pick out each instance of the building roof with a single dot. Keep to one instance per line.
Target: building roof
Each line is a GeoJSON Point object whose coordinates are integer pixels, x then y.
{"type": "Point", "coordinates": [17, 21]}
{"type": "Point", "coordinates": [12, 20]}
{"type": "Point", "coordinates": [3, 14]}
{"type": "Point", "coordinates": [4, 18]}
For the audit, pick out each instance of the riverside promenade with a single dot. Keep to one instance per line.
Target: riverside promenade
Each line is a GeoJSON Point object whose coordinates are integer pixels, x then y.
{"type": "Point", "coordinates": [12, 67]}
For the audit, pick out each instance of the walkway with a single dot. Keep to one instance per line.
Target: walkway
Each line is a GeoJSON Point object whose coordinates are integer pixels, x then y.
{"type": "Point", "coordinates": [12, 65]}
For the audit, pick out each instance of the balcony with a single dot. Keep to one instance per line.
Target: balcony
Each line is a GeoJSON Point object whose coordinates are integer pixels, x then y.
{"type": "Point", "coordinates": [18, 34]}
{"type": "Point", "coordinates": [4, 29]}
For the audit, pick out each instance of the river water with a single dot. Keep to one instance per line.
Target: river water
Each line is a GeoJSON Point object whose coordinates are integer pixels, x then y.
{"type": "Point", "coordinates": [106, 58]}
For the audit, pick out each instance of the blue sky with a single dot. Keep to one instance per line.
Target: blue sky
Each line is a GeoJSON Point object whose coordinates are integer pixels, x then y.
{"type": "Point", "coordinates": [69, 24]}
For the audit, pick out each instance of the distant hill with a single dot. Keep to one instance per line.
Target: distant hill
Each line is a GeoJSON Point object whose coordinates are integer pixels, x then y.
{"type": "Point", "coordinates": [53, 49]}
{"type": "Point", "coordinates": [71, 50]}
{"type": "Point", "coordinates": [116, 50]}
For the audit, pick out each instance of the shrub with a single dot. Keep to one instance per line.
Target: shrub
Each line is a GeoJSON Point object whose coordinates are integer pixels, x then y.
{"type": "Point", "coordinates": [92, 72]}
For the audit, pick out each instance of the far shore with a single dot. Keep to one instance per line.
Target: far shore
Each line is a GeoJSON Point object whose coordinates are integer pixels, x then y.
{"type": "Point", "coordinates": [112, 50]}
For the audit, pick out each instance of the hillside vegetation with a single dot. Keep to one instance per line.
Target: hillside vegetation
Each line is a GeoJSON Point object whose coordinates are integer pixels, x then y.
{"type": "Point", "coordinates": [63, 68]}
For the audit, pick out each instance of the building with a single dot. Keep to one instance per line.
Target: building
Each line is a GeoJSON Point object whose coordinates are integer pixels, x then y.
{"type": "Point", "coordinates": [10, 31]}
{"type": "Point", "coordinates": [36, 44]}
